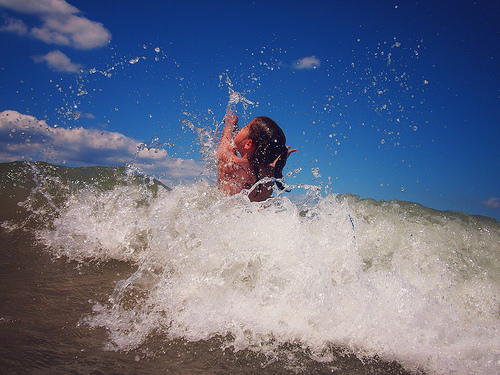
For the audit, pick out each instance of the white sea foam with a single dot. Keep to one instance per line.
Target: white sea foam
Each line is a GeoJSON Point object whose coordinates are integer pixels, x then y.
{"type": "Point", "coordinates": [389, 279]}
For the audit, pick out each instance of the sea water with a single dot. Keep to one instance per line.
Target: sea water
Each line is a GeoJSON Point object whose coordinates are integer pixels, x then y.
{"type": "Point", "coordinates": [302, 286]}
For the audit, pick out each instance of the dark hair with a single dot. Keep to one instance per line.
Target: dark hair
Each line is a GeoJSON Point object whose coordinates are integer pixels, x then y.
{"type": "Point", "coordinates": [269, 142]}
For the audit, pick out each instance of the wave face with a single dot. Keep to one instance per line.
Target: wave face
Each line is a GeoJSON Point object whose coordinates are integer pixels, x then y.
{"type": "Point", "coordinates": [392, 280]}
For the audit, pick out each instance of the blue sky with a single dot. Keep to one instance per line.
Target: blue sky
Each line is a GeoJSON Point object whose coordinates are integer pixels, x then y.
{"type": "Point", "coordinates": [384, 99]}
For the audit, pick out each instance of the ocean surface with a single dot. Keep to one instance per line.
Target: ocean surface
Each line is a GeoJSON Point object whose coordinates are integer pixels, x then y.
{"type": "Point", "coordinates": [105, 271]}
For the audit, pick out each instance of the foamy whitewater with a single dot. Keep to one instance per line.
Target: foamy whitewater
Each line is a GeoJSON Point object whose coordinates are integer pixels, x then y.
{"type": "Point", "coordinates": [389, 279]}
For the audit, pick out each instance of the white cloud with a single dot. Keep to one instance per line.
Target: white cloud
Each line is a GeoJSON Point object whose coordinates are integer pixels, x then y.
{"type": "Point", "coordinates": [60, 24]}
{"type": "Point", "coordinates": [23, 137]}
{"type": "Point", "coordinates": [15, 26]}
{"type": "Point", "coordinates": [59, 62]}
{"type": "Point", "coordinates": [85, 115]}
{"type": "Point", "coordinates": [74, 31]}
{"type": "Point", "coordinates": [39, 6]}
{"type": "Point", "coordinates": [311, 62]}
{"type": "Point", "coordinates": [493, 202]}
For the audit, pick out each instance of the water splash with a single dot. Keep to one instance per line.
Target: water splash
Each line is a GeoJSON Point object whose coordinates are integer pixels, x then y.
{"type": "Point", "coordinates": [385, 279]}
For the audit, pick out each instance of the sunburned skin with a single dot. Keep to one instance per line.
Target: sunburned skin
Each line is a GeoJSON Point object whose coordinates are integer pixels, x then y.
{"type": "Point", "coordinates": [235, 172]}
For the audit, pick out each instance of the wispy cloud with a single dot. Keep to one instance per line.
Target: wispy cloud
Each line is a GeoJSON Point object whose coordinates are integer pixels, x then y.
{"type": "Point", "coordinates": [59, 62]}
{"type": "Point", "coordinates": [23, 137]}
{"type": "Point", "coordinates": [14, 25]}
{"type": "Point", "coordinates": [39, 6]}
{"type": "Point", "coordinates": [311, 62]}
{"type": "Point", "coordinates": [60, 23]}
{"type": "Point", "coordinates": [493, 202]}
